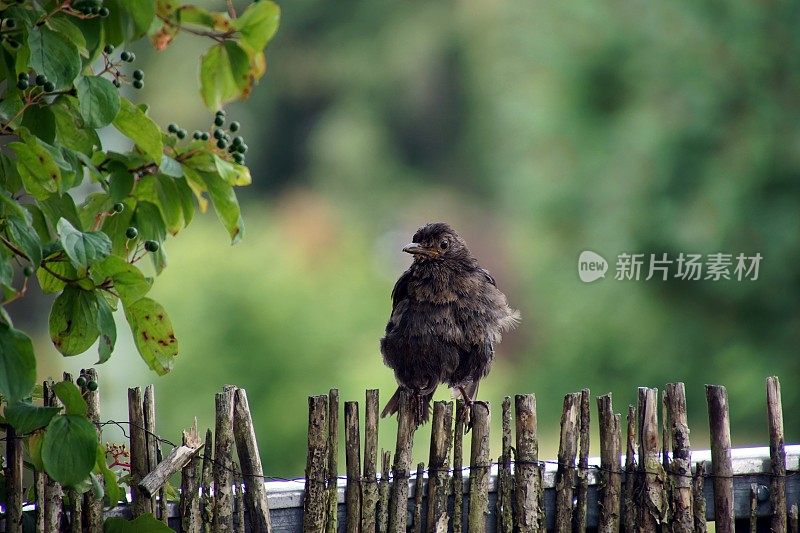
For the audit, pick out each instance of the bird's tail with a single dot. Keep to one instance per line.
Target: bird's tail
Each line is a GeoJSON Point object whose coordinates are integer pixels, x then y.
{"type": "Point", "coordinates": [419, 404]}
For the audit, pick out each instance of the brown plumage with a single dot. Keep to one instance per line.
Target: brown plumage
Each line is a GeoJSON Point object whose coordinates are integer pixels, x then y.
{"type": "Point", "coordinates": [447, 316]}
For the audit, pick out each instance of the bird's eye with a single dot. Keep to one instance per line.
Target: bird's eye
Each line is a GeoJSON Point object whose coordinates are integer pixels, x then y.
{"type": "Point", "coordinates": [444, 244]}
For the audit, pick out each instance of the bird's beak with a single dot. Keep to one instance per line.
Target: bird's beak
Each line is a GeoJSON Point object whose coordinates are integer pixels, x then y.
{"type": "Point", "coordinates": [416, 249]}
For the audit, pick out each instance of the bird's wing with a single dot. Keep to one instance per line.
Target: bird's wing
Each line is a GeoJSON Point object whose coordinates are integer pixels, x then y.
{"type": "Point", "coordinates": [400, 290]}
{"type": "Point", "coordinates": [488, 276]}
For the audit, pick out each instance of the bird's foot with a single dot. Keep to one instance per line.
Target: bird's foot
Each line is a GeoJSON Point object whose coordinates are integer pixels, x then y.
{"type": "Point", "coordinates": [466, 413]}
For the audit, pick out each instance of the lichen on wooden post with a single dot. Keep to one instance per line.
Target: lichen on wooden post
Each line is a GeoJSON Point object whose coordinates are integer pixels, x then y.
{"type": "Point", "coordinates": [458, 468]}
{"type": "Point", "coordinates": [698, 498]}
{"type": "Point", "coordinates": [149, 409]}
{"type": "Point", "coordinates": [382, 509]}
{"type": "Point", "coordinates": [629, 506]}
{"type": "Point", "coordinates": [721, 467]}
{"type": "Point", "coordinates": [223, 460]}
{"type": "Point", "coordinates": [754, 507]}
{"type": "Point", "coordinates": [438, 475]}
{"type": "Point", "coordinates": [139, 459]}
{"type": "Point", "coordinates": [479, 466]}
{"type": "Point", "coordinates": [581, 500]}
{"type": "Point", "coordinates": [369, 481]}
{"type": "Point", "coordinates": [207, 480]}
{"type": "Point", "coordinates": [529, 492]}
{"type": "Point", "coordinates": [610, 485]}
{"type": "Point", "coordinates": [332, 485]}
{"type": "Point", "coordinates": [398, 502]}
{"type": "Point", "coordinates": [777, 455]}
{"type": "Point", "coordinates": [255, 492]}
{"type": "Point", "coordinates": [353, 467]}
{"type": "Point", "coordinates": [238, 504]}
{"type": "Point", "coordinates": [315, 503]}
{"type": "Point", "coordinates": [681, 465]}
{"type": "Point", "coordinates": [565, 475]}
{"type": "Point", "coordinates": [505, 486]}
{"type": "Point", "coordinates": [189, 507]}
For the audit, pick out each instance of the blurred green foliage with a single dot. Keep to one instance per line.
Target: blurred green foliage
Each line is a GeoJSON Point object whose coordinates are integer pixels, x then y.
{"type": "Point", "coordinates": [538, 130]}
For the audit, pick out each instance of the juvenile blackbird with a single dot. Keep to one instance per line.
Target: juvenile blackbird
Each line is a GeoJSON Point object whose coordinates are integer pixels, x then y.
{"type": "Point", "coordinates": [447, 316]}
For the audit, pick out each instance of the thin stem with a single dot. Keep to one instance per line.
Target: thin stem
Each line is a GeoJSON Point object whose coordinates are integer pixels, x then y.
{"type": "Point", "coordinates": [57, 275]}
{"type": "Point", "coordinates": [217, 36]}
{"type": "Point", "coordinates": [13, 248]}
{"type": "Point", "coordinates": [231, 9]}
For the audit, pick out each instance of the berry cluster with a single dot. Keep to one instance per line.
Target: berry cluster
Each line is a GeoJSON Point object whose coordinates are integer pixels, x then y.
{"type": "Point", "coordinates": [24, 82]}
{"type": "Point", "coordinates": [90, 8]}
{"type": "Point", "coordinates": [113, 68]}
{"type": "Point", "coordinates": [150, 246]}
{"type": "Point", "coordinates": [222, 139]}
{"type": "Point", "coordinates": [86, 384]}
{"type": "Point", "coordinates": [9, 26]}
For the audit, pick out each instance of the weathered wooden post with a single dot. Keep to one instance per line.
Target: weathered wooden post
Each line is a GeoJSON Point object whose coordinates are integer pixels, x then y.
{"type": "Point", "coordinates": [53, 493]}
{"type": "Point", "coordinates": [479, 465]}
{"type": "Point", "coordinates": [333, 458]}
{"type": "Point", "coordinates": [315, 503]}
{"type": "Point", "coordinates": [92, 506]}
{"type": "Point", "coordinates": [438, 476]}
{"type": "Point", "coordinates": [681, 465]}
{"type": "Point", "coordinates": [419, 489]}
{"type": "Point", "coordinates": [369, 482]}
{"type": "Point", "coordinates": [777, 455]}
{"type": "Point", "coordinates": [13, 481]}
{"type": "Point", "coordinates": [207, 479]}
{"type": "Point", "coordinates": [177, 459]}
{"type": "Point", "coordinates": [190, 484]}
{"type": "Point", "coordinates": [583, 465]}
{"type": "Point", "coordinates": [505, 483]}
{"type": "Point", "coordinates": [238, 504]}
{"type": "Point", "coordinates": [383, 493]}
{"type": "Point", "coordinates": [754, 508]}
{"type": "Point", "coordinates": [458, 468]}
{"type": "Point", "coordinates": [255, 493]}
{"type": "Point", "coordinates": [629, 507]}
{"type": "Point", "coordinates": [651, 504]}
{"type": "Point", "coordinates": [149, 409]}
{"type": "Point", "coordinates": [565, 475]}
{"type": "Point", "coordinates": [529, 492]}
{"type": "Point", "coordinates": [398, 503]}
{"type": "Point", "coordinates": [698, 498]}
{"type": "Point", "coordinates": [721, 468]}
{"type": "Point", "coordinates": [353, 467]}
{"type": "Point", "coordinates": [610, 477]}
{"type": "Point", "coordinates": [223, 460]}
{"type": "Point", "coordinates": [139, 460]}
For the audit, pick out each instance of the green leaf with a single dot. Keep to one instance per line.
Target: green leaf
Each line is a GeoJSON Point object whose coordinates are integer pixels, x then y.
{"type": "Point", "coordinates": [99, 101]}
{"type": "Point", "coordinates": [9, 176]}
{"type": "Point", "coordinates": [258, 24]}
{"type": "Point", "coordinates": [73, 321]}
{"type": "Point", "coordinates": [146, 523]}
{"type": "Point", "coordinates": [134, 124]}
{"type": "Point", "coordinates": [35, 448]}
{"type": "Point", "coordinates": [40, 174]}
{"type": "Point", "coordinates": [70, 396]}
{"type": "Point", "coordinates": [142, 13]}
{"type": "Point", "coordinates": [128, 280]}
{"type": "Point", "coordinates": [162, 191]}
{"type": "Point", "coordinates": [41, 122]}
{"type": "Point", "coordinates": [70, 130]}
{"type": "Point", "coordinates": [224, 74]}
{"type": "Point", "coordinates": [83, 248]}
{"type": "Point", "coordinates": [26, 238]}
{"type": "Point", "coordinates": [108, 330]}
{"type": "Point", "coordinates": [111, 488]}
{"type": "Point", "coordinates": [54, 55]}
{"type": "Point", "coordinates": [17, 364]}
{"type": "Point", "coordinates": [63, 25]}
{"type": "Point", "coordinates": [51, 284]}
{"type": "Point", "coordinates": [121, 182]}
{"type": "Point", "coordinates": [26, 417]}
{"type": "Point", "coordinates": [69, 450]}
{"type": "Point", "coordinates": [233, 173]}
{"type": "Point", "coordinates": [60, 206]}
{"type": "Point", "coordinates": [225, 204]}
{"type": "Point", "coordinates": [153, 334]}
{"type": "Point", "coordinates": [170, 167]}
{"type": "Point", "coordinates": [147, 218]}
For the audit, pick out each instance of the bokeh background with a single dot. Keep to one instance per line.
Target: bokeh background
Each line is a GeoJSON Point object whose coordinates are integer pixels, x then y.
{"type": "Point", "coordinates": [538, 130]}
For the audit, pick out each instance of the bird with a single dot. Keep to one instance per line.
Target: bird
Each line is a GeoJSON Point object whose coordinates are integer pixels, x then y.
{"type": "Point", "coordinates": [447, 317]}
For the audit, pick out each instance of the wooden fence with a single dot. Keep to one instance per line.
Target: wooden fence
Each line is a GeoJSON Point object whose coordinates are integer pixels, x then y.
{"type": "Point", "coordinates": [645, 479]}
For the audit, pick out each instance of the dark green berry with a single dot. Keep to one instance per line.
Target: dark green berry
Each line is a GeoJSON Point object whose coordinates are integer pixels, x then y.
{"type": "Point", "coordinates": [219, 133]}
{"type": "Point", "coordinates": [222, 144]}
{"type": "Point", "coordinates": [49, 87]}
{"type": "Point", "coordinates": [219, 120]}
{"type": "Point", "coordinates": [94, 11]}
{"type": "Point", "coordinates": [197, 135]}
{"type": "Point", "coordinates": [242, 149]}
{"type": "Point", "coordinates": [80, 382]}
{"type": "Point", "coordinates": [138, 74]}
{"type": "Point", "coordinates": [151, 246]}
{"type": "Point", "coordinates": [238, 141]}
{"type": "Point", "coordinates": [131, 232]}
{"type": "Point", "coordinates": [23, 76]}
{"type": "Point", "coordinates": [109, 49]}
{"type": "Point", "coordinates": [138, 84]}
{"type": "Point", "coordinates": [11, 23]}
{"type": "Point", "coordinates": [125, 56]}
{"type": "Point", "coordinates": [220, 113]}
{"type": "Point", "coordinates": [119, 207]}
{"type": "Point", "coordinates": [181, 134]}
{"type": "Point", "coordinates": [92, 385]}
{"type": "Point", "coordinates": [234, 126]}
{"type": "Point", "coordinates": [22, 85]}
{"type": "Point", "coordinates": [204, 136]}
{"type": "Point", "coordinates": [103, 12]}
{"type": "Point", "coordinates": [131, 57]}
{"type": "Point", "coordinates": [41, 79]}
{"type": "Point", "coordinates": [27, 271]}
{"type": "Point", "coordinates": [13, 43]}
{"type": "Point", "coordinates": [239, 158]}
{"type": "Point", "coordinates": [172, 128]}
